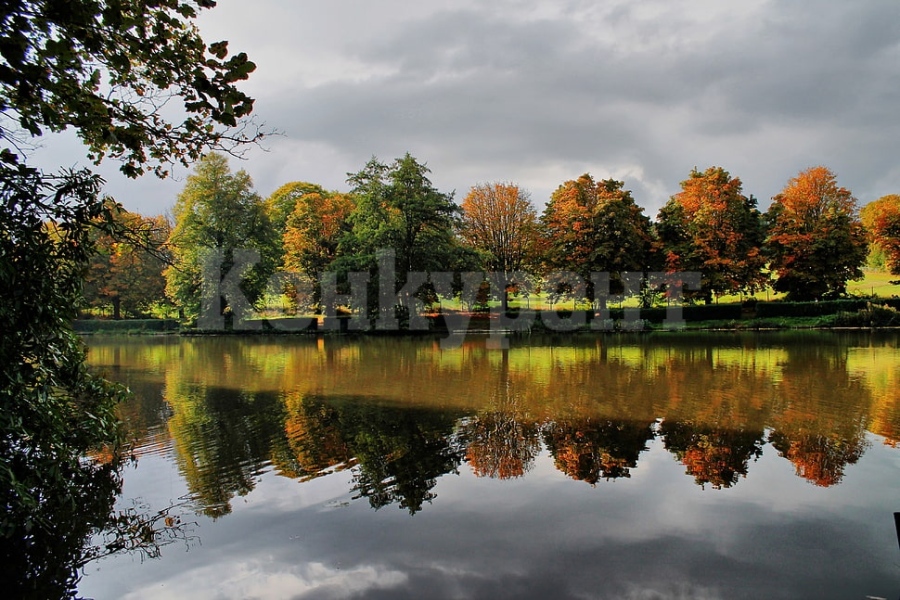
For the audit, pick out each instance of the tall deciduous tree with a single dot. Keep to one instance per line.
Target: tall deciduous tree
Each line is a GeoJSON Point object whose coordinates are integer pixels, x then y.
{"type": "Point", "coordinates": [816, 242]}
{"type": "Point", "coordinates": [104, 70]}
{"type": "Point", "coordinates": [500, 222]}
{"type": "Point", "coordinates": [399, 208]}
{"type": "Point", "coordinates": [712, 227]}
{"type": "Point", "coordinates": [591, 226]}
{"type": "Point", "coordinates": [314, 230]}
{"type": "Point", "coordinates": [283, 201]}
{"type": "Point", "coordinates": [882, 219]}
{"type": "Point", "coordinates": [127, 270]}
{"type": "Point", "coordinates": [218, 210]}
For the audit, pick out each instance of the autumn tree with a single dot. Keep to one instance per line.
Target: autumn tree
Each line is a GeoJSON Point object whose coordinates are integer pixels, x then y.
{"type": "Point", "coordinates": [820, 458]}
{"type": "Point", "coordinates": [137, 84]}
{"type": "Point", "coordinates": [126, 272]}
{"type": "Point", "coordinates": [591, 226]}
{"type": "Point", "coordinates": [218, 211]}
{"type": "Point", "coordinates": [283, 201]}
{"type": "Point", "coordinates": [315, 442]}
{"type": "Point", "coordinates": [501, 444]}
{"type": "Point", "coordinates": [816, 242]}
{"type": "Point", "coordinates": [313, 232]}
{"type": "Point", "coordinates": [717, 456]}
{"type": "Point", "coordinates": [592, 449]}
{"type": "Point", "coordinates": [711, 227]}
{"type": "Point", "coordinates": [500, 222]}
{"type": "Point", "coordinates": [882, 220]}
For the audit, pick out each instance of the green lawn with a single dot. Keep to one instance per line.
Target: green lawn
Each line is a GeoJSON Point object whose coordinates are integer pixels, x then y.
{"type": "Point", "coordinates": [876, 283]}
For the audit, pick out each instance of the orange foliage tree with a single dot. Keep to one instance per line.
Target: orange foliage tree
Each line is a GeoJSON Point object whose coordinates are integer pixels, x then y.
{"type": "Point", "coordinates": [588, 449]}
{"type": "Point", "coordinates": [817, 457]}
{"type": "Point", "coordinates": [712, 455]}
{"type": "Point", "coordinates": [591, 226]}
{"type": "Point", "coordinates": [312, 234]}
{"type": "Point", "coordinates": [816, 242]}
{"type": "Point", "coordinates": [283, 201]}
{"type": "Point", "coordinates": [500, 445]}
{"type": "Point", "coordinates": [127, 270]}
{"type": "Point", "coordinates": [712, 227]}
{"type": "Point", "coordinates": [500, 222]}
{"type": "Point", "coordinates": [882, 219]}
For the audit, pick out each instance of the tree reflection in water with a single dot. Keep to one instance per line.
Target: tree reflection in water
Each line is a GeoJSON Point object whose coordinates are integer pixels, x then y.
{"type": "Point", "coordinates": [500, 444]}
{"type": "Point", "coordinates": [718, 457]}
{"type": "Point", "coordinates": [396, 415]}
{"type": "Point", "coordinates": [223, 440]}
{"type": "Point", "coordinates": [85, 526]}
{"type": "Point", "coordinates": [312, 410]}
{"type": "Point", "coordinates": [593, 449]}
{"type": "Point", "coordinates": [397, 454]}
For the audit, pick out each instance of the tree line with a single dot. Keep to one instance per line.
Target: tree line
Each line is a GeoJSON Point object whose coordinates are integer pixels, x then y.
{"type": "Point", "coordinates": [809, 244]}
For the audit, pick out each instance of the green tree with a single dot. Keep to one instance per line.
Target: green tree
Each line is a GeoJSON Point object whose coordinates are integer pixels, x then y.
{"type": "Point", "coordinates": [104, 70]}
{"type": "Point", "coordinates": [591, 226]}
{"type": "Point", "coordinates": [816, 242]}
{"type": "Point", "coordinates": [400, 452]}
{"type": "Point", "coordinates": [398, 208]}
{"type": "Point", "coordinates": [218, 210]}
{"type": "Point", "coordinates": [712, 227]}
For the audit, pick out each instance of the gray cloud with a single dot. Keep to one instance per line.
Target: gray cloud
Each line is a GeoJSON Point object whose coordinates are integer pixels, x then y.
{"type": "Point", "coordinates": [538, 93]}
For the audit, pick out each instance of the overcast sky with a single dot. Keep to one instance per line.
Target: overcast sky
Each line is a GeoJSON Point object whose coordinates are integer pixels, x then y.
{"type": "Point", "coordinates": [537, 92]}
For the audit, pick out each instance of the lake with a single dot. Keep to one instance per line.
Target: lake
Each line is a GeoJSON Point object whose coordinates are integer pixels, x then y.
{"type": "Point", "coordinates": [669, 465]}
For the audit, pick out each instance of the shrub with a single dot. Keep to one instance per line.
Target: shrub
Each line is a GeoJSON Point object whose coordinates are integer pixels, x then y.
{"type": "Point", "coordinates": [768, 310]}
{"type": "Point", "coordinates": [870, 316]}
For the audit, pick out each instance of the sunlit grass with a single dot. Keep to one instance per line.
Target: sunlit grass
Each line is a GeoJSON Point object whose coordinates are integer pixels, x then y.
{"type": "Point", "coordinates": [877, 283]}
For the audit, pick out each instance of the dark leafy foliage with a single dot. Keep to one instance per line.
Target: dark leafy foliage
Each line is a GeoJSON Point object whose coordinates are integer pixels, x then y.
{"type": "Point", "coordinates": [107, 68]}
{"type": "Point", "coordinates": [112, 71]}
{"type": "Point", "coordinates": [54, 412]}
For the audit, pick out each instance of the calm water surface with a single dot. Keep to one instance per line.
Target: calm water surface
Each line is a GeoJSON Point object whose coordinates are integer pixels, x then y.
{"type": "Point", "coordinates": [659, 466]}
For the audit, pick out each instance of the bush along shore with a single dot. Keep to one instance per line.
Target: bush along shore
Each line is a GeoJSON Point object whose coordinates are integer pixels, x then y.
{"type": "Point", "coordinates": [845, 313]}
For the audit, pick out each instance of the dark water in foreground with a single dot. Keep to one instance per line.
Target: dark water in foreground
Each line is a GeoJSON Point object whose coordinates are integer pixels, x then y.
{"type": "Point", "coordinates": [662, 466]}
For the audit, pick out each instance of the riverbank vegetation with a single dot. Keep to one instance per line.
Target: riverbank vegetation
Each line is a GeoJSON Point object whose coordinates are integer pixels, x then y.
{"type": "Point", "coordinates": [812, 244]}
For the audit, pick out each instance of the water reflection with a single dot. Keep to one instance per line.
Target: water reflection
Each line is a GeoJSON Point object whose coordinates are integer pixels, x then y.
{"type": "Point", "coordinates": [590, 450]}
{"type": "Point", "coordinates": [223, 439]}
{"type": "Point", "coordinates": [401, 413]}
{"type": "Point", "coordinates": [712, 455]}
{"type": "Point", "coordinates": [738, 466]}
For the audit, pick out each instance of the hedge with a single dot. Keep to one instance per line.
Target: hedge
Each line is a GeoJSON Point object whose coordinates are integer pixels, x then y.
{"type": "Point", "coordinates": [818, 309]}
{"type": "Point", "coordinates": [124, 325]}
{"type": "Point", "coordinates": [703, 312]}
